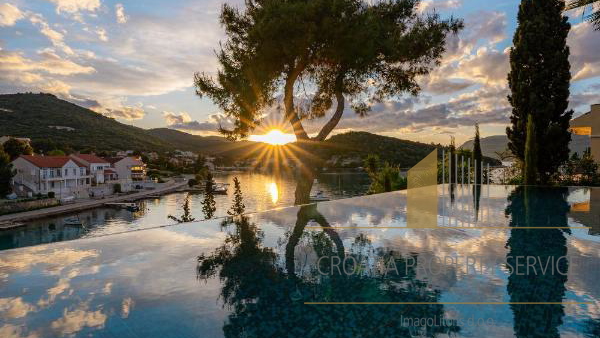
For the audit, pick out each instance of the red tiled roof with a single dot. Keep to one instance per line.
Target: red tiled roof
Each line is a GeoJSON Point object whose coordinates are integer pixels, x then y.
{"type": "Point", "coordinates": [109, 171]}
{"type": "Point", "coordinates": [50, 161]}
{"type": "Point", "coordinates": [113, 160]}
{"type": "Point", "coordinates": [90, 158]}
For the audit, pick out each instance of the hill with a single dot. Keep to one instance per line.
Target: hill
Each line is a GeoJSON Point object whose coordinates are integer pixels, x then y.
{"type": "Point", "coordinates": [358, 145]}
{"type": "Point", "coordinates": [355, 146]}
{"type": "Point", "coordinates": [498, 143]}
{"type": "Point", "coordinates": [185, 141]}
{"type": "Point", "coordinates": [46, 118]}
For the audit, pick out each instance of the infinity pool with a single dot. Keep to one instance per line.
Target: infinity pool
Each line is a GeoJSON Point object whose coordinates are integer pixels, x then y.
{"type": "Point", "coordinates": [346, 268]}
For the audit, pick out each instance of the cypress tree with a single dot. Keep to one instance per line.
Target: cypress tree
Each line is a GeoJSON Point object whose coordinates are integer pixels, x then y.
{"type": "Point", "coordinates": [539, 83]}
{"type": "Point", "coordinates": [477, 154]}
{"type": "Point", "coordinates": [452, 160]}
{"type": "Point", "coordinates": [529, 168]}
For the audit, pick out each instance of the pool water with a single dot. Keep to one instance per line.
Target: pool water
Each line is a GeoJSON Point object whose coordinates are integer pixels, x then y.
{"type": "Point", "coordinates": [346, 268]}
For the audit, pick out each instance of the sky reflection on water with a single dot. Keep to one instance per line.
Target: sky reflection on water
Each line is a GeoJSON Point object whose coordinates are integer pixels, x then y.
{"type": "Point", "coordinates": [255, 274]}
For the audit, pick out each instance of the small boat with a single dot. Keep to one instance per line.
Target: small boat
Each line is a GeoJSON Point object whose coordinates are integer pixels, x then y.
{"type": "Point", "coordinates": [132, 207]}
{"type": "Point", "coordinates": [319, 197]}
{"type": "Point", "coordinates": [220, 188]}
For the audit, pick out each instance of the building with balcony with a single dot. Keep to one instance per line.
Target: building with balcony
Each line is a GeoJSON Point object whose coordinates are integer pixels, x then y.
{"type": "Point", "coordinates": [63, 175]}
{"type": "Point", "coordinates": [98, 167]}
{"type": "Point", "coordinates": [128, 168]}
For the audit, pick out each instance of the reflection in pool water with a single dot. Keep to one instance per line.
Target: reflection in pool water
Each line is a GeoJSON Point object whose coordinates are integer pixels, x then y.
{"type": "Point", "coordinates": [261, 192]}
{"type": "Point", "coordinates": [252, 276]}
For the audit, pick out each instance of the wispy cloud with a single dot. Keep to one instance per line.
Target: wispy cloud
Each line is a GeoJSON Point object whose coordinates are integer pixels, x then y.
{"type": "Point", "coordinates": [9, 14]}
{"type": "Point", "coordinates": [74, 6]}
{"type": "Point", "coordinates": [120, 13]}
{"type": "Point", "coordinates": [176, 119]}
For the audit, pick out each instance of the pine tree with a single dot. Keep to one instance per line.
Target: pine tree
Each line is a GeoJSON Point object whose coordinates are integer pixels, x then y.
{"type": "Point", "coordinates": [238, 206]}
{"type": "Point", "coordinates": [529, 169]}
{"type": "Point", "coordinates": [477, 155]}
{"type": "Point", "coordinates": [208, 204]}
{"type": "Point", "coordinates": [539, 83]}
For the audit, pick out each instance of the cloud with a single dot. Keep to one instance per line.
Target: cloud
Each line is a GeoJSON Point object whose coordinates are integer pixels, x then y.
{"type": "Point", "coordinates": [487, 66]}
{"type": "Point", "coordinates": [487, 105]}
{"type": "Point", "coordinates": [48, 62]}
{"type": "Point", "coordinates": [584, 44]}
{"type": "Point", "coordinates": [15, 331]}
{"type": "Point", "coordinates": [9, 14]}
{"type": "Point", "coordinates": [102, 34]}
{"type": "Point", "coordinates": [74, 321]}
{"type": "Point", "coordinates": [173, 118]}
{"type": "Point", "coordinates": [75, 6]}
{"type": "Point", "coordinates": [126, 113]}
{"type": "Point", "coordinates": [54, 36]}
{"type": "Point", "coordinates": [482, 27]}
{"type": "Point", "coordinates": [212, 124]}
{"type": "Point", "coordinates": [471, 57]}
{"type": "Point", "coordinates": [120, 13]}
{"type": "Point", "coordinates": [443, 86]}
{"type": "Point", "coordinates": [15, 307]}
{"type": "Point", "coordinates": [436, 5]}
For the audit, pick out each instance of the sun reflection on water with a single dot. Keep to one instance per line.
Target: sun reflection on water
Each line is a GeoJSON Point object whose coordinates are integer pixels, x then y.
{"type": "Point", "coordinates": [273, 191]}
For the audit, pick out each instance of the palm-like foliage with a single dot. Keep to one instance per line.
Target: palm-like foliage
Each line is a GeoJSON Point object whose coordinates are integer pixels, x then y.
{"type": "Point", "coordinates": [594, 5]}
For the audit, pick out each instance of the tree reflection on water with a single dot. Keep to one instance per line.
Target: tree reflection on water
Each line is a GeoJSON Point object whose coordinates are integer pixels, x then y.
{"type": "Point", "coordinates": [267, 296]}
{"type": "Point", "coordinates": [538, 207]}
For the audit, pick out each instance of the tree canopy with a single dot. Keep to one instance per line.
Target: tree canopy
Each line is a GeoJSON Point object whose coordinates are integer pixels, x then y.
{"type": "Point", "coordinates": [15, 148]}
{"type": "Point", "coordinates": [333, 50]}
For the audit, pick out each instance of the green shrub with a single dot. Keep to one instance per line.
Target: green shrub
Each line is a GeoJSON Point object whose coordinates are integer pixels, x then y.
{"type": "Point", "coordinates": [51, 194]}
{"type": "Point", "coordinates": [117, 188]}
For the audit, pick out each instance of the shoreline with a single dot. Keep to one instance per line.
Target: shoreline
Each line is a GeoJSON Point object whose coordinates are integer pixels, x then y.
{"type": "Point", "coordinates": [68, 208]}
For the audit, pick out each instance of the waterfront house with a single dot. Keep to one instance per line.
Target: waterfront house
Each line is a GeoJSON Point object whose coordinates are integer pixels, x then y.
{"type": "Point", "coordinates": [128, 168]}
{"type": "Point", "coordinates": [63, 175]}
{"type": "Point", "coordinates": [99, 168]}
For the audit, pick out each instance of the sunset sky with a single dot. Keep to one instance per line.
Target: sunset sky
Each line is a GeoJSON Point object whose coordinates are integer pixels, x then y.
{"type": "Point", "coordinates": [135, 60]}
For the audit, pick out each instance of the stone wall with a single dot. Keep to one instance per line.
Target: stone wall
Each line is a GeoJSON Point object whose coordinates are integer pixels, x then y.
{"type": "Point", "coordinates": [11, 207]}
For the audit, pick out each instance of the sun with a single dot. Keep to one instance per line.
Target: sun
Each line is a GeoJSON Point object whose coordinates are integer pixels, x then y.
{"type": "Point", "coordinates": [274, 137]}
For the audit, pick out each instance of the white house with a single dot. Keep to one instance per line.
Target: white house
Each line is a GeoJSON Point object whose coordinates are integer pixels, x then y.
{"type": "Point", "coordinates": [128, 168]}
{"type": "Point", "coordinates": [99, 168]}
{"type": "Point", "coordinates": [63, 175]}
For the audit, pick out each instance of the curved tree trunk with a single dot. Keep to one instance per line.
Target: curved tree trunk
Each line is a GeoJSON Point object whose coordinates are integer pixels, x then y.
{"type": "Point", "coordinates": [305, 214]}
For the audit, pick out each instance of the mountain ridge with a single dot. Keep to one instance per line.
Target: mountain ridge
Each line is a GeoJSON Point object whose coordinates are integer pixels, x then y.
{"type": "Point", "coordinates": [53, 122]}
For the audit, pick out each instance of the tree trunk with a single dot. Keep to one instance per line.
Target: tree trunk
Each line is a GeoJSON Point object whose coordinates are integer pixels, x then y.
{"type": "Point", "coordinates": [306, 214]}
{"type": "Point", "coordinates": [304, 182]}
